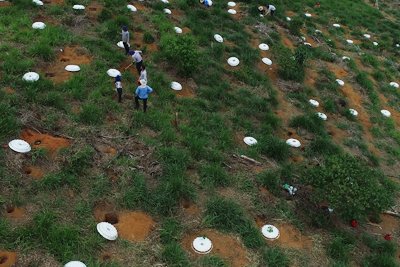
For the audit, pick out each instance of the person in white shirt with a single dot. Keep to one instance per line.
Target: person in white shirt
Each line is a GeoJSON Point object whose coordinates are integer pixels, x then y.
{"type": "Point", "coordinates": [137, 58]}
{"type": "Point", "coordinates": [268, 9]}
{"type": "Point", "coordinates": [143, 74]}
{"type": "Point", "coordinates": [118, 87]}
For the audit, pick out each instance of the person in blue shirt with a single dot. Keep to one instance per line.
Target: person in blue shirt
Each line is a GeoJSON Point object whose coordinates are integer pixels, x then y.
{"type": "Point", "coordinates": [207, 3]}
{"type": "Point", "coordinates": [142, 93]}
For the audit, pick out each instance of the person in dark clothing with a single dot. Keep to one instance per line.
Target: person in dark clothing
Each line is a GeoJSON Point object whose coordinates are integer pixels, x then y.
{"type": "Point", "coordinates": [137, 58]}
{"type": "Point", "coordinates": [268, 9]}
{"type": "Point", "coordinates": [142, 93]}
{"type": "Point", "coordinates": [118, 87]}
{"type": "Point", "coordinates": [125, 39]}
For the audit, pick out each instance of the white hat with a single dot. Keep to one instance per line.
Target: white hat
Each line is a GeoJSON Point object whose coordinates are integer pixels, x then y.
{"type": "Point", "coordinates": [260, 8]}
{"type": "Point", "coordinates": [143, 82]}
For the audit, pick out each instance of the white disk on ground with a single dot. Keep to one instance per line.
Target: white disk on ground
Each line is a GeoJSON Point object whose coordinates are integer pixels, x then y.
{"type": "Point", "coordinates": [167, 11]}
{"type": "Point", "coordinates": [30, 76]}
{"type": "Point", "coordinates": [318, 31]}
{"type": "Point", "coordinates": [308, 44]}
{"type": "Point", "coordinates": [75, 264]}
{"type": "Point", "coordinates": [303, 38]}
{"type": "Point", "coordinates": [231, 4]}
{"type": "Point", "coordinates": [132, 8]}
{"type": "Point", "coordinates": [233, 61]}
{"type": "Point", "coordinates": [267, 61]}
{"type": "Point", "coordinates": [340, 82]}
{"type": "Point", "coordinates": [232, 11]}
{"type": "Point", "coordinates": [375, 43]}
{"type": "Point", "coordinates": [202, 245]}
{"type": "Point", "coordinates": [19, 146]}
{"type": "Point", "coordinates": [38, 25]}
{"type": "Point", "coordinates": [397, 45]}
{"type": "Point", "coordinates": [177, 30]}
{"type": "Point", "coordinates": [336, 25]}
{"type": "Point", "coordinates": [386, 113]}
{"type": "Point", "coordinates": [345, 58]}
{"type": "Point", "coordinates": [353, 112]}
{"type": "Point", "coordinates": [349, 41]}
{"type": "Point", "coordinates": [322, 116]}
{"type": "Point", "coordinates": [113, 73]}
{"type": "Point", "coordinates": [78, 7]}
{"type": "Point", "coordinates": [72, 68]}
{"type": "Point", "coordinates": [263, 47]}
{"type": "Point", "coordinates": [37, 2]}
{"type": "Point", "coordinates": [314, 103]}
{"type": "Point", "coordinates": [288, 19]}
{"type": "Point", "coordinates": [394, 84]}
{"type": "Point", "coordinates": [165, 1]}
{"type": "Point", "coordinates": [249, 140]}
{"type": "Point", "coordinates": [218, 38]}
{"type": "Point", "coordinates": [176, 86]}
{"type": "Point", "coordinates": [107, 230]}
{"type": "Point", "coordinates": [270, 232]}
{"type": "Point", "coordinates": [366, 35]}
{"type": "Point", "coordinates": [308, 15]}
{"type": "Point", "coordinates": [293, 142]}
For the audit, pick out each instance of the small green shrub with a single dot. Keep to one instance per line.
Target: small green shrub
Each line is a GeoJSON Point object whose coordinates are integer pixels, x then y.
{"type": "Point", "coordinates": [148, 38]}
{"type": "Point", "coordinates": [214, 175]}
{"type": "Point", "coordinates": [91, 114]}
{"type": "Point", "coordinates": [340, 250]}
{"type": "Point", "coordinates": [42, 50]}
{"type": "Point", "coordinates": [274, 147]}
{"type": "Point", "coordinates": [271, 180]}
{"type": "Point", "coordinates": [311, 123]}
{"type": "Point", "coordinates": [275, 257]}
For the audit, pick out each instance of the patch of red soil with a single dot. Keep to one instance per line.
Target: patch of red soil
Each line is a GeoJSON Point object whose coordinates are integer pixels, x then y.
{"type": "Point", "coordinates": [8, 259]}
{"type": "Point", "coordinates": [267, 197]}
{"type": "Point", "coordinates": [106, 149]}
{"type": "Point", "coordinates": [186, 30]}
{"type": "Point", "coordinates": [188, 89]}
{"type": "Point", "coordinates": [101, 209]}
{"type": "Point", "coordinates": [239, 13]}
{"type": "Point", "coordinates": [71, 55]}
{"type": "Point", "coordinates": [141, 45]}
{"type": "Point", "coordinates": [285, 40]}
{"type": "Point", "coordinates": [94, 9]}
{"type": "Point", "coordinates": [51, 143]}
{"type": "Point", "coordinates": [105, 256]}
{"type": "Point", "coordinates": [8, 90]}
{"type": "Point", "coordinates": [225, 246]}
{"type": "Point", "coordinates": [177, 15]}
{"type": "Point", "coordinates": [5, 4]}
{"type": "Point", "coordinates": [337, 70]}
{"type": "Point", "coordinates": [140, 6]}
{"type": "Point", "coordinates": [311, 75]}
{"type": "Point", "coordinates": [290, 13]}
{"type": "Point", "coordinates": [338, 135]}
{"type": "Point", "coordinates": [388, 225]}
{"type": "Point", "coordinates": [54, 2]}
{"type": "Point", "coordinates": [134, 226]}
{"type": "Point", "coordinates": [34, 172]}
{"type": "Point", "coordinates": [13, 212]}
{"type": "Point", "coordinates": [190, 208]}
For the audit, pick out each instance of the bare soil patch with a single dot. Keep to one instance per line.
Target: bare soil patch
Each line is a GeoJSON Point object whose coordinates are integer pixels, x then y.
{"type": "Point", "coordinates": [285, 39]}
{"type": "Point", "coordinates": [388, 225]}
{"type": "Point", "coordinates": [190, 208]}
{"type": "Point", "coordinates": [8, 90]}
{"type": "Point", "coordinates": [33, 171]}
{"type": "Point", "coordinates": [93, 10]}
{"type": "Point", "coordinates": [188, 88]}
{"type": "Point", "coordinates": [38, 140]}
{"type": "Point", "coordinates": [8, 259]}
{"type": "Point", "coordinates": [4, 4]}
{"type": "Point", "coordinates": [54, 2]}
{"type": "Point", "coordinates": [134, 226]}
{"type": "Point", "coordinates": [14, 213]}
{"type": "Point", "coordinates": [225, 246]}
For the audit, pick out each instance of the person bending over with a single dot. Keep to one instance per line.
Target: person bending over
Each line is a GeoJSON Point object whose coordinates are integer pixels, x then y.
{"type": "Point", "coordinates": [268, 9]}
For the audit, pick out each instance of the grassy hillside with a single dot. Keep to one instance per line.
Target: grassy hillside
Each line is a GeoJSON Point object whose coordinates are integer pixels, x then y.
{"type": "Point", "coordinates": [181, 169]}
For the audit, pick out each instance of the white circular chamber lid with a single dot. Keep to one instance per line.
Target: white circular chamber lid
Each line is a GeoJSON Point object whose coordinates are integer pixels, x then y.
{"type": "Point", "coordinates": [263, 47]}
{"type": "Point", "coordinates": [231, 4]}
{"type": "Point", "coordinates": [394, 84]}
{"type": "Point", "coordinates": [38, 25]}
{"type": "Point", "coordinates": [353, 112]}
{"type": "Point", "coordinates": [120, 44]}
{"type": "Point", "coordinates": [267, 61]}
{"type": "Point", "coordinates": [132, 8]}
{"type": "Point", "coordinates": [78, 7]}
{"type": "Point", "coordinates": [340, 82]}
{"type": "Point", "coordinates": [233, 61]}
{"type": "Point", "coordinates": [202, 245]}
{"type": "Point", "coordinates": [176, 86]}
{"type": "Point", "coordinates": [167, 11]}
{"type": "Point", "coordinates": [322, 116]}
{"type": "Point", "coordinates": [349, 41]}
{"type": "Point", "coordinates": [113, 73]}
{"type": "Point", "coordinates": [386, 113]}
{"type": "Point", "coordinates": [308, 15]}
{"type": "Point", "coordinates": [293, 142]}
{"type": "Point", "coordinates": [318, 31]}
{"type": "Point", "coordinates": [31, 76]}
{"type": "Point", "coordinates": [177, 30]}
{"type": "Point", "coordinates": [165, 1]}
{"type": "Point", "coordinates": [19, 146]}
{"type": "Point", "coordinates": [288, 19]}
{"type": "Point", "coordinates": [270, 232]}
{"type": "Point", "coordinates": [345, 58]}
{"type": "Point", "coordinates": [366, 35]}
{"type": "Point", "coordinates": [72, 68]}
{"type": "Point", "coordinates": [107, 230]}
{"type": "Point", "coordinates": [75, 264]}
{"type": "Point", "coordinates": [314, 103]}
{"type": "Point", "coordinates": [218, 38]}
{"type": "Point", "coordinates": [248, 140]}
{"type": "Point", "coordinates": [336, 25]}
{"type": "Point", "coordinates": [375, 43]}
{"type": "Point", "coordinates": [38, 2]}
{"type": "Point", "coordinates": [308, 44]}
{"type": "Point", "coordinates": [232, 11]}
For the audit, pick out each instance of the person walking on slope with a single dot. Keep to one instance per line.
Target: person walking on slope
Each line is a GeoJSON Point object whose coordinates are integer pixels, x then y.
{"type": "Point", "coordinates": [142, 93]}
{"type": "Point", "coordinates": [118, 87]}
{"type": "Point", "coordinates": [137, 58]}
{"type": "Point", "coordinates": [143, 74]}
{"type": "Point", "coordinates": [268, 9]}
{"type": "Point", "coordinates": [125, 39]}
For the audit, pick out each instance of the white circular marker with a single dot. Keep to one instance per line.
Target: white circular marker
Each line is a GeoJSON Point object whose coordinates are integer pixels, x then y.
{"type": "Point", "coordinates": [231, 4]}
{"type": "Point", "coordinates": [113, 73]}
{"type": "Point", "coordinates": [165, 1]}
{"type": "Point", "coordinates": [267, 61]}
{"type": "Point", "coordinates": [270, 232]}
{"type": "Point", "coordinates": [336, 25]}
{"type": "Point", "coordinates": [375, 43]}
{"type": "Point", "coordinates": [293, 142]}
{"type": "Point", "coordinates": [78, 7]}
{"type": "Point", "coordinates": [349, 41]}
{"type": "Point", "coordinates": [38, 25]}
{"type": "Point", "coordinates": [37, 2]}
{"type": "Point", "coordinates": [263, 47]}
{"type": "Point", "coordinates": [132, 8]}
{"type": "Point", "coordinates": [31, 77]}
{"type": "Point", "coordinates": [394, 84]}
{"type": "Point", "coordinates": [202, 245]}
{"type": "Point", "coordinates": [177, 30]}
{"type": "Point", "coordinates": [72, 68]}
{"type": "Point", "coordinates": [249, 140]}
{"type": "Point", "coordinates": [340, 82]}
{"type": "Point", "coordinates": [176, 86]}
{"type": "Point", "coordinates": [322, 116]}
{"type": "Point", "coordinates": [19, 146]}
{"type": "Point", "coordinates": [367, 35]}
{"type": "Point", "coordinates": [308, 44]}
{"type": "Point", "coordinates": [308, 15]}
{"type": "Point", "coordinates": [397, 45]}
{"type": "Point", "coordinates": [345, 58]}
{"type": "Point", "coordinates": [233, 61]}
{"type": "Point", "coordinates": [288, 19]}
{"type": "Point", "coordinates": [318, 31]}
{"type": "Point", "coordinates": [75, 264]}
{"type": "Point", "coordinates": [107, 230]}
{"type": "Point", "coordinates": [218, 38]}
{"type": "Point", "coordinates": [167, 11]}
{"type": "Point", "coordinates": [353, 112]}
{"type": "Point", "coordinates": [232, 11]}
{"type": "Point", "coordinates": [314, 103]}
{"type": "Point", "coordinates": [386, 113]}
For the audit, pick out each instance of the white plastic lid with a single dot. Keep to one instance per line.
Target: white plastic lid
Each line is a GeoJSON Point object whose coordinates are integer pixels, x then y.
{"type": "Point", "coordinates": [38, 25]}
{"type": "Point", "coordinates": [349, 41]}
{"type": "Point", "coordinates": [231, 4]}
{"type": "Point", "coordinates": [232, 11]}
{"type": "Point", "coordinates": [202, 245]}
{"type": "Point", "coordinates": [218, 38]}
{"type": "Point", "coordinates": [78, 7]}
{"type": "Point", "coordinates": [314, 103]}
{"type": "Point", "coordinates": [113, 73]}
{"type": "Point", "coordinates": [165, 1]}
{"type": "Point", "coordinates": [375, 43]}
{"type": "Point", "coordinates": [305, 43]}
{"type": "Point", "coordinates": [308, 15]}
{"type": "Point", "coordinates": [318, 31]}
{"type": "Point", "coordinates": [176, 86]}
{"type": "Point", "coordinates": [270, 232]}
{"type": "Point", "coordinates": [353, 112]}
{"type": "Point", "coordinates": [345, 58]}
{"type": "Point", "coordinates": [30, 77]}
{"type": "Point", "coordinates": [75, 264]}
{"type": "Point", "coordinates": [397, 45]}
{"type": "Point", "coordinates": [386, 113]}
{"type": "Point", "coordinates": [340, 82]}
{"type": "Point", "coordinates": [293, 142]}
{"type": "Point", "coordinates": [132, 8]}
{"type": "Point", "coordinates": [167, 11]}
{"type": "Point", "coordinates": [178, 30]}
{"type": "Point", "coordinates": [233, 61]}
{"type": "Point", "coordinates": [72, 68]}
{"type": "Point", "coordinates": [288, 19]}
{"type": "Point", "coordinates": [38, 2]}
{"type": "Point", "coordinates": [267, 61]}
{"type": "Point", "coordinates": [336, 25]}
{"type": "Point", "coordinates": [120, 44]}
{"type": "Point", "coordinates": [249, 140]}
{"type": "Point", "coordinates": [366, 35]}
{"type": "Point", "coordinates": [19, 146]}
{"type": "Point", "coordinates": [394, 84]}
{"type": "Point", "coordinates": [107, 230]}
{"type": "Point", "coordinates": [263, 47]}
{"type": "Point", "coordinates": [322, 116]}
